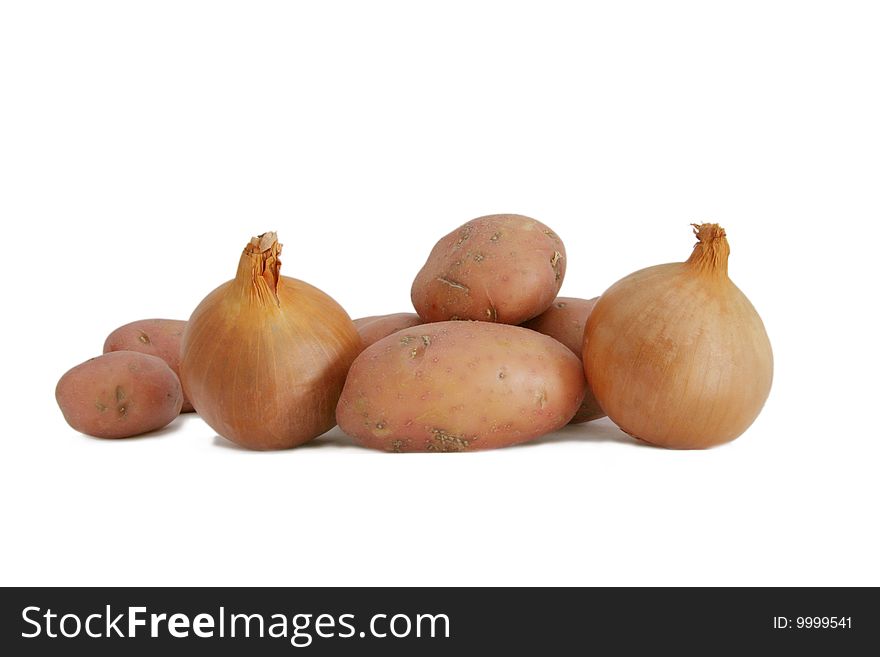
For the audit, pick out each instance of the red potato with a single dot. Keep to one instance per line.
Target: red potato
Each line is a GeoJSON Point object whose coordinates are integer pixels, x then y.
{"type": "Point", "coordinates": [459, 386]}
{"type": "Point", "coordinates": [156, 337]}
{"type": "Point", "coordinates": [504, 268]}
{"type": "Point", "coordinates": [564, 321]}
{"type": "Point", "coordinates": [372, 329]}
{"type": "Point", "coordinates": [120, 394]}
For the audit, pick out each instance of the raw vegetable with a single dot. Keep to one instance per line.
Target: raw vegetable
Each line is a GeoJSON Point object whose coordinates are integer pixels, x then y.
{"type": "Point", "coordinates": [372, 329]}
{"type": "Point", "coordinates": [564, 320]}
{"type": "Point", "coordinates": [157, 337]}
{"type": "Point", "coordinates": [503, 268]}
{"type": "Point", "coordinates": [120, 394]}
{"type": "Point", "coordinates": [265, 356]}
{"type": "Point", "coordinates": [676, 354]}
{"type": "Point", "coordinates": [459, 386]}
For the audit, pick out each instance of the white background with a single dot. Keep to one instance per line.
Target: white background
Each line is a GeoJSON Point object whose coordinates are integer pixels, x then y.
{"type": "Point", "coordinates": [142, 144]}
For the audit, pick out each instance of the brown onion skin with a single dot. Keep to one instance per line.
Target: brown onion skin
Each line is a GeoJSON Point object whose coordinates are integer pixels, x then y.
{"type": "Point", "coordinates": [261, 375]}
{"type": "Point", "coordinates": [374, 328]}
{"type": "Point", "coordinates": [677, 355]}
{"type": "Point", "coordinates": [565, 321]}
{"type": "Point", "coordinates": [157, 337]}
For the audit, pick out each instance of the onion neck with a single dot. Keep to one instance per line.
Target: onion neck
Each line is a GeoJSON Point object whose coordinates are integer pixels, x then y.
{"type": "Point", "coordinates": [259, 270]}
{"type": "Point", "coordinates": [711, 250]}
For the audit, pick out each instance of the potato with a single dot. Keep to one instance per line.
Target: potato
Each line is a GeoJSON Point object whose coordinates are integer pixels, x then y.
{"type": "Point", "coordinates": [565, 320]}
{"type": "Point", "coordinates": [459, 386]}
{"type": "Point", "coordinates": [120, 394]}
{"type": "Point", "coordinates": [157, 337]}
{"type": "Point", "coordinates": [373, 329]}
{"type": "Point", "coordinates": [503, 268]}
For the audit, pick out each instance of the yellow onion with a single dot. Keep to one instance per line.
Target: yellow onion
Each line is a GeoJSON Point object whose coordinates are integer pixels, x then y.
{"type": "Point", "coordinates": [264, 357]}
{"type": "Point", "coordinates": [676, 355]}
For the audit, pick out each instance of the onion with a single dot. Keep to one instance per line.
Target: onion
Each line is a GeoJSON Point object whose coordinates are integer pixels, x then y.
{"type": "Point", "coordinates": [676, 355]}
{"type": "Point", "coordinates": [264, 356]}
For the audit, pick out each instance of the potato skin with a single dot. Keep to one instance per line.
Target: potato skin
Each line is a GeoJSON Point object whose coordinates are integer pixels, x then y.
{"type": "Point", "coordinates": [565, 321]}
{"type": "Point", "coordinates": [376, 327]}
{"type": "Point", "coordinates": [156, 337]}
{"type": "Point", "coordinates": [459, 386]}
{"type": "Point", "coordinates": [503, 268]}
{"type": "Point", "coordinates": [119, 394]}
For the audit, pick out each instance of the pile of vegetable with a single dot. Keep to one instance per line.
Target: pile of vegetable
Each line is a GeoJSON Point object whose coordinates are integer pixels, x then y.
{"type": "Point", "coordinates": [674, 354]}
